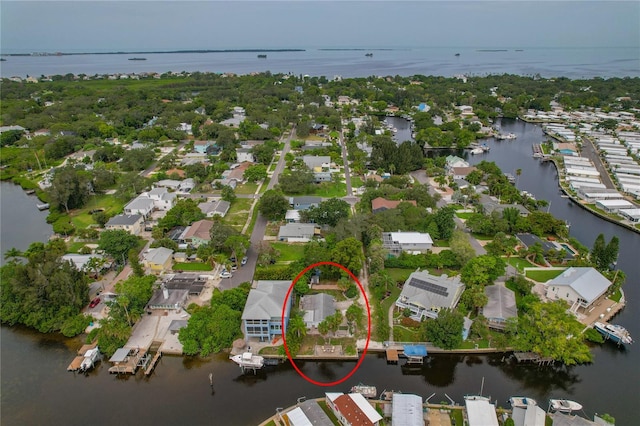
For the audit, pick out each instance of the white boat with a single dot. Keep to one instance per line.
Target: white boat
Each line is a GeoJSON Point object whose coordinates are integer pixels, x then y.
{"type": "Point", "coordinates": [564, 405]}
{"type": "Point", "coordinates": [475, 151]}
{"type": "Point", "coordinates": [503, 136]}
{"type": "Point", "coordinates": [615, 332]}
{"type": "Point", "coordinates": [248, 361]}
{"type": "Point", "coordinates": [90, 358]}
{"type": "Point", "coordinates": [366, 390]}
{"type": "Point", "coordinates": [521, 401]}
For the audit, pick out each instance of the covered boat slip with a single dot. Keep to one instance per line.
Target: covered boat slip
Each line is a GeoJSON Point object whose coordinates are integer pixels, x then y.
{"type": "Point", "coordinates": [128, 360]}
{"type": "Point", "coordinates": [77, 361]}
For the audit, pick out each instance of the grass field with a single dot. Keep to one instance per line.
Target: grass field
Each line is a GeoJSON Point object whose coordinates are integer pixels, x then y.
{"type": "Point", "coordinates": [195, 266]}
{"type": "Point", "coordinates": [543, 276]}
{"type": "Point", "coordinates": [288, 252]}
{"type": "Point", "coordinates": [238, 213]}
{"type": "Point", "coordinates": [331, 190]}
{"type": "Point", "coordinates": [399, 274]}
{"type": "Point", "coordinates": [81, 217]}
{"type": "Point", "coordinates": [356, 182]}
{"type": "Point", "coordinates": [404, 334]}
{"type": "Point", "coordinates": [519, 263]}
{"type": "Point", "coordinates": [247, 188]}
{"type": "Point", "coordinates": [464, 215]}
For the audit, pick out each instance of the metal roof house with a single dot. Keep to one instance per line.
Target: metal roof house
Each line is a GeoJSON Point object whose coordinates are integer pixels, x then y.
{"type": "Point", "coordinates": [316, 308]}
{"type": "Point", "coordinates": [352, 409]}
{"type": "Point", "coordinates": [130, 223]}
{"type": "Point", "coordinates": [308, 413]}
{"type": "Point", "coordinates": [425, 294]}
{"type": "Point", "coordinates": [297, 232]}
{"type": "Point", "coordinates": [407, 410]}
{"type": "Point", "coordinates": [578, 286]}
{"type": "Point", "coordinates": [480, 412]}
{"type": "Point", "coordinates": [262, 315]}
{"type": "Point", "coordinates": [501, 305]}
{"type": "Point", "coordinates": [410, 242]}
{"type": "Point", "coordinates": [304, 202]}
{"type": "Point", "coordinates": [215, 208]}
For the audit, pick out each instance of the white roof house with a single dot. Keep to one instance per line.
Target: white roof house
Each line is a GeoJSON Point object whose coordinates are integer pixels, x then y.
{"type": "Point", "coordinates": [141, 205]}
{"type": "Point", "coordinates": [410, 242]}
{"type": "Point", "coordinates": [425, 294]}
{"type": "Point", "coordinates": [530, 416]}
{"type": "Point", "coordinates": [297, 232]}
{"type": "Point", "coordinates": [614, 205]}
{"type": "Point", "coordinates": [316, 308]}
{"type": "Point", "coordinates": [578, 286]}
{"type": "Point", "coordinates": [407, 410]}
{"type": "Point", "coordinates": [481, 412]}
{"type": "Point", "coordinates": [215, 208]}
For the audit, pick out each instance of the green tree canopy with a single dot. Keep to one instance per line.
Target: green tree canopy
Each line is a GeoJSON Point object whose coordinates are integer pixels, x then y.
{"type": "Point", "coordinates": [445, 331]}
{"type": "Point", "coordinates": [117, 243]}
{"type": "Point", "coordinates": [273, 205]}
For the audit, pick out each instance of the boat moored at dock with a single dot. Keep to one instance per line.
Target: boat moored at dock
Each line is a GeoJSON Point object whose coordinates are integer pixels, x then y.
{"type": "Point", "coordinates": [521, 401]}
{"type": "Point", "coordinates": [564, 405]}
{"type": "Point", "coordinates": [614, 332]}
{"type": "Point", "coordinates": [248, 361]}
{"type": "Point", "coordinates": [365, 390]}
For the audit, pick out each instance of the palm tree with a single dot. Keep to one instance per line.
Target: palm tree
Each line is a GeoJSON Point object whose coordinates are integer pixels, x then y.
{"type": "Point", "coordinates": [518, 173]}
{"type": "Point", "coordinates": [12, 254]}
{"type": "Point", "coordinates": [297, 327]}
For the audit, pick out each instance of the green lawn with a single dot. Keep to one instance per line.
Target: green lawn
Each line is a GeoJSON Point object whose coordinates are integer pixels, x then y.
{"type": "Point", "coordinates": [543, 276]}
{"type": "Point", "coordinates": [441, 243]}
{"type": "Point", "coordinates": [616, 296]}
{"type": "Point", "coordinates": [519, 263]}
{"type": "Point", "coordinates": [194, 266]}
{"type": "Point", "coordinates": [386, 303]}
{"type": "Point", "coordinates": [331, 190]}
{"type": "Point", "coordinates": [356, 182]}
{"type": "Point", "coordinates": [399, 274]}
{"type": "Point", "coordinates": [238, 213]}
{"type": "Point", "coordinates": [247, 188]}
{"type": "Point", "coordinates": [81, 217]}
{"type": "Point", "coordinates": [403, 334]}
{"type": "Point", "coordinates": [288, 252]}
{"type": "Point", "coordinates": [76, 246]}
{"type": "Point", "coordinates": [464, 215]}
{"type": "Point", "coordinates": [272, 167]}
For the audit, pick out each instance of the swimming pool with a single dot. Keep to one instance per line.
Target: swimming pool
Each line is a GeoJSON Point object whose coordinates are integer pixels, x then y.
{"type": "Point", "coordinates": [568, 248]}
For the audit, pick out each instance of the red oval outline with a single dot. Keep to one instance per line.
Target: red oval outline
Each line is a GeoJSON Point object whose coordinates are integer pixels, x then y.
{"type": "Point", "coordinates": [284, 338]}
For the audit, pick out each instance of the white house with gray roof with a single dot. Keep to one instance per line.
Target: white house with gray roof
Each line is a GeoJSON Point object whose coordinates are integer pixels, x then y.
{"type": "Point", "coordinates": [141, 205]}
{"type": "Point", "coordinates": [425, 294]}
{"type": "Point", "coordinates": [297, 232]}
{"type": "Point", "coordinates": [580, 287]}
{"type": "Point", "coordinates": [215, 208]}
{"type": "Point", "coordinates": [262, 315]}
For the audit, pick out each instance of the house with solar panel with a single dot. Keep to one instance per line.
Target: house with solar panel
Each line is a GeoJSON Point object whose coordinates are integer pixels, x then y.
{"type": "Point", "coordinates": [425, 294]}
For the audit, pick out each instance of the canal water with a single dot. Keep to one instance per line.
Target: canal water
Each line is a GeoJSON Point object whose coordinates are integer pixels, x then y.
{"type": "Point", "coordinates": [37, 389]}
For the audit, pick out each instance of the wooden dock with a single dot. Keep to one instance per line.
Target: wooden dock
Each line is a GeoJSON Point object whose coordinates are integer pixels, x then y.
{"type": "Point", "coordinates": [77, 361]}
{"type": "Point", "coordinates": [152, 364]}
{"type": "Point", "coordinates": [392, 356]}
{"type": "Point", "coordinates": [532, 357]}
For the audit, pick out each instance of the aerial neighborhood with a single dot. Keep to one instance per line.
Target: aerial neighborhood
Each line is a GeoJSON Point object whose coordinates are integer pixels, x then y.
{"type": "Point", "coordinates": [276, 216]}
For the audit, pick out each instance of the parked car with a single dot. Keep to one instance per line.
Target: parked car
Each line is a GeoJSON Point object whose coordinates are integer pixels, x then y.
{"type": "Point", "coordinates": [234, 268]}
{"type": "Point", "coordinates": [244, 260]}
{"type": "Point", "coordinates": [225, 274]}
{"type": "Point", "coordinates": [94, 302]}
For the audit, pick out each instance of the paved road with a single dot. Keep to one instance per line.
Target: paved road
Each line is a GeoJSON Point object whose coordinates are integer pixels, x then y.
{"type": "Point", "coordinates": [152, 167]}
{"type": "Point", "coordinates": [245, 273]}
{"type": "Point", "coordinates": [347, 175]}
{"type": "Point", "coordinates": [589, 151]}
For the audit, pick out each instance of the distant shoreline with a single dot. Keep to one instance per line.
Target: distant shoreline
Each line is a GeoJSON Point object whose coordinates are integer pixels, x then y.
{"type": "Point", "coordinates": [154, 52]}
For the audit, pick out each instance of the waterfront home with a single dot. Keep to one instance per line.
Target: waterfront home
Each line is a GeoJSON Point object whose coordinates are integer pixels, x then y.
{"type": "Point", "coordinates": [425, 294]}
{"type": "Point", "coordinates": [163, 298]}
{"type": "Point", "coordinates": [453, 161]}
{"type": "Point", "coordinates": [406, 410]}
{"type": "Point", "coordinates": [304, 202]}
{"type": "Point", "coordinates": [215, 208]}
{"type": "Point", "coordinates": [298, 232]}
{"type": "Point", "coordinates": [632, 215]}
{"type": "Point", "coordinates": [579, 286]}
{"type": "Point", "coordinates": [480, 412]}
{"type": "Point", "coordinates": [613, 206]}
{"type": "Point", "coordinates": [352, 409]}
{"type": "Point", "coordinates": [380, 204]}
{"type": "Point", "coordinates": [531, 415]}
{"type": "Point", "coordinates": [158, 260]}
{"type": "Point", "coordinates": [132, 223]}
{"type": "Point", "coordinates": [141, 205]}
{"type": "Point", "coordinates": [409, 242]}
{"type": "Point", "coordinates": [262, 315]}
{"type": "Point", "coordinates": [529, 240]}
{"type": "Point", "coordinates": [197, 234]}
{"type": "Point", "coordinates": [316, 308]}
{"type": "Point", "coordinates": [501, 305]}
{"type": "Point", "coordinates": [307, 413]}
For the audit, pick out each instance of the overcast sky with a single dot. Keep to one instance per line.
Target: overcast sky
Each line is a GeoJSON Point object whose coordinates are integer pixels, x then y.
{"type": "Point", "coordinates": [28, 26]}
